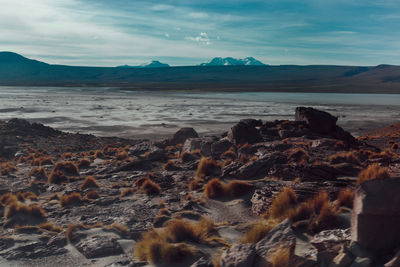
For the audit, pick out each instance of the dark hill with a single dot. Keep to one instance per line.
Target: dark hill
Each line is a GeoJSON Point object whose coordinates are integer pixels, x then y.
{"type": "Point", "coordinates": [18, 70]}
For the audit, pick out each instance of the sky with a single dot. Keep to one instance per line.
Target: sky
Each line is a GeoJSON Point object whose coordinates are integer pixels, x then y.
{"type": "Point", "coordinates": [188, 32]}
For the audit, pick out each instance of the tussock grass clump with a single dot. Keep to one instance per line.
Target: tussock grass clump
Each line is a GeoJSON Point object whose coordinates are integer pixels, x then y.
{"type": "Point", "coordinates": [206, 167]}
{"type": "Point", "coordinates": [385, 156]}
{"type": "Point", "coordinates": [350, 157]}
{"type": "Point", "coordinates": [165, 246]}
{"type": "Point", "coordinates": [49, 226]}
{"type": "Point", "coordinates": [196, 183]}
{"type": "Point", "coordinates": [127, 192]}
{"type": "Point", "coordinates": [299, 155]}
{"type": "Point", "coordinates": [99, 154]}
{"type": "Point", "coordinates": [345, 198]}
{"type": "Point", "coordinates": [39, 173]}
{"type": "Point", "coordinates": [8, 198]}
{"type": "Point", "coordinates": [83, 163]}
{"type": "Point", "coordinates": [57, 177]}
{"type": "Point", "coordinates": [318, 211]}
{"type": "Point", "coordinates": [7, 168]}
{"type": "Point", "coordinates": [215, 188]}
{"type": "Point", "coordinates": [89, 182]}
{"type": "Point", "coordinates": [229, 154]}
{"type": "Point", "coordinates": [258, 231]}
{"type": "Point", "coordinates": [395, 146]}
{"type": "Point", "coordinates": [46, 161]}
{"type": "Point", "coordinates": [283, 203]}
{"type": "Point", "coordinates": [67, 167]}
{"type": "Point", "coordinates": [153, 248]}
{"type": "Point", "coordinates": [150, 187]}
{"type": "Point", "coordinates": [22, 196]}
{"type": "Point", "coordinates": [121, 155]}
{"type": "Point", "coordinates": [94, 194]}
{"type": "Point", "coordinates": [73, 199]}
{"type": "Point", "coordinates": [372, 172]}
{"type": "Point", "coordinates": [281, 257]}
{"type": "Point", "coordinates": [16, 208]}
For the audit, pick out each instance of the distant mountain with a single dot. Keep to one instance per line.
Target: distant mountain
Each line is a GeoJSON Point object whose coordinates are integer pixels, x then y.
{"type": "Point", "coordinates": [16, 70]}
{"type": "Point", "coordinates": [152, 64]}
{"type": "Point", "coordinates": [230, 61]}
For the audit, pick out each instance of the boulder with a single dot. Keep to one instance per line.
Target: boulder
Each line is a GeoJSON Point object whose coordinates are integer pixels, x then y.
{"type": "Point", "coordinates": [318, 121]}
{"type": "Point", "coordinates": [219, 147]}
{"type": "Point", "coordinates": [99, 246]}
{"type": "Point", "coordinates": [238, 256]}
{"type": "Point", "coordinates": [182, 135]}
{"type": "Point", "coordinates": [242, 133]}
{"type": "Point", "coordinates": [192, 144]}
{"type": "Point", "coordinates": [376, 216]}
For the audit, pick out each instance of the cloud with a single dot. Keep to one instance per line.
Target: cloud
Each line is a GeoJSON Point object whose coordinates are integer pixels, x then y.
{"type": "Point", "coordinates": [198, 15]}
{"type": "Point", "coordinates": [161, 7]}
{"type": "Point", "coordinates": [201, 38]}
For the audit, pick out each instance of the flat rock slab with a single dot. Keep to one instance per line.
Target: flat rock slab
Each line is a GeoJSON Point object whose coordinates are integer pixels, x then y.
{"type": "Point", "coordinates": [99, 246]}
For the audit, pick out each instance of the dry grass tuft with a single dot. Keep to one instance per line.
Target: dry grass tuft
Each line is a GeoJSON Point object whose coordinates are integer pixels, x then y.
{"type": "Point", "coordinates": [345, 198]}
{"type": "Point", "coordinates": [258, 231]}
{"type": "Point", "coordinates": [237, 188]}
{"type": "Point", "coordinates": [8, 198]}
{"type": "Point", "coordinates": [373, 171]}
{"type": "Point", "coordinates": [122, 155]}
{"type": "Point", "coordinates": [395, 146]}
{"type": "Point", "coordinates": [281, 257]}
{"type": "Point", "coordinates": [150, 187]}
{"type": "Point", "coordinates": [214, 189]}
{"type": "Point", "coordinates": [7, 168]}
{"type": "Point", "coordinates": [170, 166]}
{"type": "Point", "coordinates": [67, 167]}
{"type": "Point", "coordinates": [127, 192]}
{"type": "Point", "coordinates": [72, 199]}
{"type": "Point", "coordinates": [196, 183]}
{"type": "Point", "coordinates": [298, 155]}
{"type": "Point", "coordinates": [57, 177]}
{"type": "Point", "coordinates": [83, 163]}
{"type": "Point", "coordinates": [153, 248]}
{"type": "Point", "coordinates": [89, 182]}
{"type": "Point", "coordinates": [26, 195]}
{"type": "Point", "coordinates": [39, 173]}
{"type": "Point", "coordinates": [283, 203]}
{"type": "Point", "coordinates": [15, 208]}
{"type": "Point", "coordinates": [349, 157]}
{"type": "Point", "coordinates": [92, 195]}
{"type": "Point", "coordinates": [206, 167]}
{"type": "Point", "coordinates": [49, 226]}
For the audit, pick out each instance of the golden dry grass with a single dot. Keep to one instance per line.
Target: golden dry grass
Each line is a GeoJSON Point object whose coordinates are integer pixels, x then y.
{"type": "Point", "coordinates": [283, 203]}
{"type": "Point", "coordinates": [349, 157]}
{"type": "Point", "coordinates": [49, 226]}
{"type": "Point", "coordinates": [281, 257]}
{"type": "Point", "coordinates": [206, 167]}
{"type": "Point", "coordinates": [15, 208]}
{"type": "Point", "coordinates": [38, 173]}
{"type": "Point", "coordinates": [150, 187]}
{"type": "Point", "coordinates": [72, 199]}
{"type": "Point", "coordinates": [83, 163]}
{"type": "Point", "coordinates": [92, 195]}
{"type": "Point", "coordinates": [67, 167]}
{"type": "Point", "coordinates": [89, 182]}
{"type": "Point", "coordinates": [57, 177]}
{"type": "Point", "coordinates": [372, 172]}
{"type": "Point", "coordinates": [7, 168]}
{"type": "Point", "coordinates": [345, 198]}
{"type": "Point", "coordinates": [216, 188]}
{"type": "Point", "coordinates": [258, 231]}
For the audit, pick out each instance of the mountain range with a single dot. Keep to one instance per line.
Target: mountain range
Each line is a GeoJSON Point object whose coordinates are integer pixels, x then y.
{"type": "Point", "coordinates": [152, 64]}
{"type": "Point", "coordinates": [229, 61]}
{"type": "Point", "coordinates": [16, 70]}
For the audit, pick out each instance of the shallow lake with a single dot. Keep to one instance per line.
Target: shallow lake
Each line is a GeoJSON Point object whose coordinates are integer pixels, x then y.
{"type": "Point", "coordinates": [124, 113]}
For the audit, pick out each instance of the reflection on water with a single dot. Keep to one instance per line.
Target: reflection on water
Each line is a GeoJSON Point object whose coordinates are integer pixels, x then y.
{"type": "Point", "coordinates": [111, 111]}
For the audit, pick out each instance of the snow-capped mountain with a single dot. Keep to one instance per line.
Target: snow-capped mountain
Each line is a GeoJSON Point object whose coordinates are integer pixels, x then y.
{"type": "Point", "coordinates": [230, 61]}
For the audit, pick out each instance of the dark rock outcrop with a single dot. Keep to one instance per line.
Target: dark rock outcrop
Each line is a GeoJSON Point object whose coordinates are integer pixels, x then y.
{"type": "Point", "coordinates": [244, 132]}
{"type": "Point", "coordinates": [182, 135]}
{"type": "Point", "coordinates": [376, 216]}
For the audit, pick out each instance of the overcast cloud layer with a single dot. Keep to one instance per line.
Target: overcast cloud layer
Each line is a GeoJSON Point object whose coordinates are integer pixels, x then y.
{"type": "Point", "coordinates": [110, 33]}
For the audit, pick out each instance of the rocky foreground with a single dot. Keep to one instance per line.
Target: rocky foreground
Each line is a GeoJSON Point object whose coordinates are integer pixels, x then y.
{"type": "Point", "coordinates": [281, 193]}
